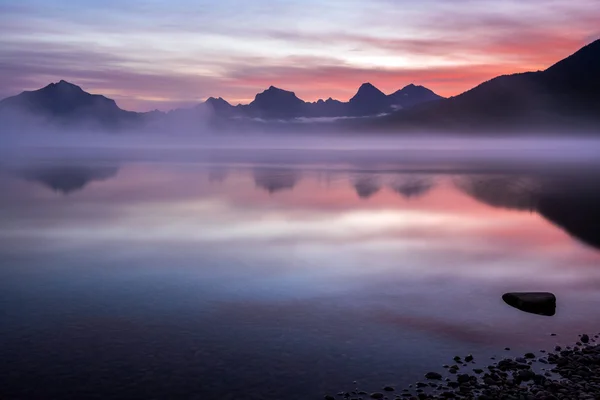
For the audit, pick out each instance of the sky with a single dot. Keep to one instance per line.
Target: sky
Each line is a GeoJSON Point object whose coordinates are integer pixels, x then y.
{"type": "Point", "coordinates": [150, 54]}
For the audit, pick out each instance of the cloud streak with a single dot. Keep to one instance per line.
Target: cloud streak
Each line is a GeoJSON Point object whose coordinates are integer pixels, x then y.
{"type": "Point", "coordinates": [153, 54]}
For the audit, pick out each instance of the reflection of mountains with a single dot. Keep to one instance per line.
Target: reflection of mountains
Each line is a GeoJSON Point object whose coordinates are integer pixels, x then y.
{"type": "Point", "coordinates": [67, 179]}
{"type": "Point", "coordinates": [412, 186]}
{"type": "Point", "coordinates": [275, 180]}
{"type": "Point", "coordinates": [366, 186]}
{"type": "Point", "coordinates": [570, 203]}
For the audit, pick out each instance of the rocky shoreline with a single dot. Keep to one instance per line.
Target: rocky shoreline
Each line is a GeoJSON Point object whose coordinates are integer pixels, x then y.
{"type": "Point", "coordinates": [563, 374]}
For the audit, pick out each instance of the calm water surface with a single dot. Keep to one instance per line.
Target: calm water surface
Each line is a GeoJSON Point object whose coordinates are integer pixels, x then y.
{"type": "Point", "coordinates": [228, 281]}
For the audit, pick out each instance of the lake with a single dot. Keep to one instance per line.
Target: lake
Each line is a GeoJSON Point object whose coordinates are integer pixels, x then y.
{"type": "Point", "coordinates": [242, 278]}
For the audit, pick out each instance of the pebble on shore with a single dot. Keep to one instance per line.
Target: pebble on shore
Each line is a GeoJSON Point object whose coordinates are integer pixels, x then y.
{"type": "Point", "coordinates": [575, 374]}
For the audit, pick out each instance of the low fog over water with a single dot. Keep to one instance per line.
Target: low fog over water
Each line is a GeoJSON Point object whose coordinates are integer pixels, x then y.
{"type": "Point", "coordinates": [332, 148]}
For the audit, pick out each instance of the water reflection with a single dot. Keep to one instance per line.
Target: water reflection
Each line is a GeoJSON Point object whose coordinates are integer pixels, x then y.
{"type": "Point", "coordinates": [576, 212]}
{"type": "Point", "coordinates": [157, 279]}
{"type": "Point", "coordinates": [412, 186]}
{"type": "Point", "coordinates": [569, 202]}
{"type": "Point", "coordinates": [275, 180]}
{"type": "Point", "coordinates": [512, 191]}
{"type": "Point", "coordinates": [67, 178]}
{"type": "Point", "coordinates": [366, 186]}
{"type": "Point", "coordinates": [217, 174]}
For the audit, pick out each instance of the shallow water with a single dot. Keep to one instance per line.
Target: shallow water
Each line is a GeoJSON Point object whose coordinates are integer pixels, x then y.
{"type": "Point", "coordinates": [268, 281]}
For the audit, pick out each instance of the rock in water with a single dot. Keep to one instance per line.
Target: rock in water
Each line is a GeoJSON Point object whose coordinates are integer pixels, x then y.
{"type": "Point", "coordinates": [541, 303]}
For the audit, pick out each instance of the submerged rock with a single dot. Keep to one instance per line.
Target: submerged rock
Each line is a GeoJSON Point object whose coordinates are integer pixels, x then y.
{"type": "Point", "coordinates": [541, 303]}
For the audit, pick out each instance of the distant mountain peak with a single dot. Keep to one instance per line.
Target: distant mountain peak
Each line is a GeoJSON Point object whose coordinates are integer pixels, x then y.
{"type": "Point", "coordinates": [411, 95]}
{"type": "Point", "coordinates": [370, 89]}
{"type": "Point", "coordinates": [368, 92]}
{"type": "Point", "coordinates": [65, 102]}
{"type": "Point", "coordinates": [367, 85]}
{"type": "Point", "coordinates": [273, 92]}
{"type": "Point", "coordinates": [274, 89]}
{"type": "Point", "coordinates": [412, 87]}
{"type": "Point", "coordinates": [368, 101]}
{"type": "Point", "coordinates": [63, 86]}
{"type": "Point", "coordinates": [276, 102]}
{"type": "Point", "coordinates": [218, 105]}
{"type": "Point", "coordinates": [216, 100]}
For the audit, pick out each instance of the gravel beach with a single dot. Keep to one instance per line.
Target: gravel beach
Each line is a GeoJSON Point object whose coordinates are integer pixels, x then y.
{"type": "Point", "coordinates": [566, 373]}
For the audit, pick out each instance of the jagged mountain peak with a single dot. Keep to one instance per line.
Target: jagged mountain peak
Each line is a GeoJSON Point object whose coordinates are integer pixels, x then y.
{"type": "Point", "coordinates": [275, 93]}
{"type": "Point", "coordinates": [63, 87]}
{"type": "Point", "coordinates": [370, 89]}
{"type": "Point", "coordinates": [275, 89]}
{"type": "Point", "coordinates": [217, 100]}
{"type": "Point", "coordinates": [368, 93]}
{"type": "Point", "coordinates": [367, 85]}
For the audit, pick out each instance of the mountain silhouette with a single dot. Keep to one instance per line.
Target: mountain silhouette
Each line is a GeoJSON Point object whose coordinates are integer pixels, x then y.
{"type": "Point", "coordinates": [410, 96]}
{"type": "Point", "coordinates": [220, 107]}
{"type": "Point", "coordinates": [566, 94]}
{"type": "Point", "coordinates": [275, 103]}
{"type": "Point", "coordinates": [368, 101]}
{"type": "Point", "coordinates": [65, 102]}
{"type": "Point", "coordinates": [327, 108]}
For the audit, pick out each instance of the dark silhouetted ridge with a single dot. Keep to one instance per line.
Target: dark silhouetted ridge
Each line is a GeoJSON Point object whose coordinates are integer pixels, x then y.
{"type": "Point", "coordinates": [368, 100]}
{"type": "Point", "coordinates": [566, 95]}
{"type": "Point", "coordinates": [412, 95]}
{"type": "Point", "coordinates": [276, 103]}
{"type": "Point", "coordinates": [65, 102]}
{"type": "Point", "coordinates": [220, 106]}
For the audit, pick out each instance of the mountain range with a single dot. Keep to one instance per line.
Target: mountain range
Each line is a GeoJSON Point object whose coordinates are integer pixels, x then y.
{"type": "Point", "coordinates": [67, 104]}
{"type": "Point", "coordinates": [565, 95]}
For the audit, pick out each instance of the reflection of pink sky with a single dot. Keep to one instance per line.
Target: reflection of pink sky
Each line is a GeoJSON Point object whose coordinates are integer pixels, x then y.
{"type": "Point", "coordinates": [327, 241]}
{"type": "Point", "coordinates": [153, 204]}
